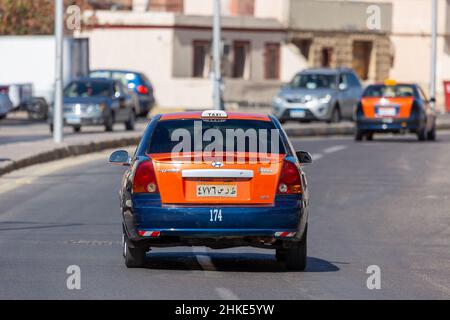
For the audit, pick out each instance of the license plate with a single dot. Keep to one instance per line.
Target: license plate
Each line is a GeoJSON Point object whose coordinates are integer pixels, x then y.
{"type": "Point", "coordinates": [217, 191]}
{"type": "Point", "coordinates": [298, 113]}
{"type": "Point", "coordinates": [387, 112]}
{"type": "Point", "coordinates": [73, 120]}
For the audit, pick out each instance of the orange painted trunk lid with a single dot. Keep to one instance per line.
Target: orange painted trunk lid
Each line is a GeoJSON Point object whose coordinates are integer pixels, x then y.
{"type": "Point", "coordinates": [182, 180]}
{"type": "Point", "coordinates": [400, 108]}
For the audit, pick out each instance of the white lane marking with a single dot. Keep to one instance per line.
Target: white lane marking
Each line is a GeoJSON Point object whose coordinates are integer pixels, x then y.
{"type": "Point", "coordinates": [330, 150]}
{"type": "Point", "coordinates": [226, 294]}
{"type": "Point", "coordinates": [335, 149]}
{"type": "Point", "coordinates": [317, 156]}
{"type": "Point", "coordinates": [203, 259]}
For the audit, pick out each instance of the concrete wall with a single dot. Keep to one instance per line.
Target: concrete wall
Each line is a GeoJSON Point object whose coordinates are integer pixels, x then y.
{"type": "Point", "coordinates": [31, 60]}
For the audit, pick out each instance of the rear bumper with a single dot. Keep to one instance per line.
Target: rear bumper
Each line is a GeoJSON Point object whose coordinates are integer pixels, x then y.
{"type": "Point", "coordinates": [288, 215]}
{"type": "Point", "coordinates": [388, 124]}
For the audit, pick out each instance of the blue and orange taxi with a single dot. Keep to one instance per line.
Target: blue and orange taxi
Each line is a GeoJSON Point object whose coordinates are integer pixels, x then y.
{"type": "Point", "coordinates": [392, 107]}
{"type": "Point", "coordinates": [243, 184]}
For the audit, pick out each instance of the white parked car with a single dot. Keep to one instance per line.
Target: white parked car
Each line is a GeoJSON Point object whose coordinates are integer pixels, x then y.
{"type": "Point", "coordinates": [5, 105]}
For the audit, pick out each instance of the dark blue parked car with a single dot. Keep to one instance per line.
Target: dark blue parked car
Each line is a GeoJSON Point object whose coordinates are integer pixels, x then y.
{"type": "Point", "coordinates": [136, 82]}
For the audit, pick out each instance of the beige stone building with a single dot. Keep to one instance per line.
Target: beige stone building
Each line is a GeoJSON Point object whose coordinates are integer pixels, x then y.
{"type": "Point", "coordinates": [265, 42]}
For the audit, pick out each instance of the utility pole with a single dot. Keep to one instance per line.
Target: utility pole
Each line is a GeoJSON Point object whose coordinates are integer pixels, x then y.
{"type": "Point", "coordinates": [59, 44]}
{"type": "Point", "coordinates": [433, 53]}
{"type": "Point", "coordinates": [217, 58]}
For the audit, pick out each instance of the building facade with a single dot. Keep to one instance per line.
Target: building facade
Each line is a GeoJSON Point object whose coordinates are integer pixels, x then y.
{"type": "Point", "coordinates": [265, 42]}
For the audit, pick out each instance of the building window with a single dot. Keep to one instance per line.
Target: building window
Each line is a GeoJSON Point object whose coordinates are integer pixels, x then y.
{"type": "Point", "coordinates": [327, 55]}
{"type": "Point", "coordinates": [242, 7]}
{"type": "Point", "coordinates": [202, 59]}
{"type": "Point", "coordinates": [272, 61]}
{"type": "Point", "coordinates": [166, 5]}
{"type": "Point", "coordinates": [241, 60]}
{"type": "Point", "coordinates": [362, 51]}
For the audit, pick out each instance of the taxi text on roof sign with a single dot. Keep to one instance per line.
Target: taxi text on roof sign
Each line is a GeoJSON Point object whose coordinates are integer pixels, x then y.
{"type": "Point", "coordinates": [214, 114]}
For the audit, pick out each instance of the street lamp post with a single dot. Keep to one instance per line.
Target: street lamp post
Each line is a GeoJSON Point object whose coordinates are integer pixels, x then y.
{"type": "Point", "coordinates": [433, 53]}
{"type": "Point", "coordinates": [217, 58]}
{"type": "Point", "coordinates": [59, 42]}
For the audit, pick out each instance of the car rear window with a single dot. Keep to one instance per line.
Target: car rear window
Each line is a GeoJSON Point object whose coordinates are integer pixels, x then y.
{"type": "Point", "coordinates": [227, 136]}
{"type": "Point", "coordinates": [383, 91]}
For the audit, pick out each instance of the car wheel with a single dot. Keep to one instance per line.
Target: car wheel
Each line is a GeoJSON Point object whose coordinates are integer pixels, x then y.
{"type": "Point", "coordinates": [422, 134]}
{"type": "Point", "coordinates": [358, 135]}
{"type": "Point", "coordinates": [432, 134]}
{"type": "Point", "coordinates": [296, 258]}
{"type": "Point", "coordinates": [134, 257]}
{"type": "Point", "coordinates": [280, 255]}
{"type": "Point", "coordinates": [369, 136]}
{"type": "Point", "coordinates": [109, 123]}
{"type": "Point", "coordinates": [77, 129]}
{"type": "Point", "coordinates": [335, 116]}
{"type": "Point", "coordinates": [131, 122]}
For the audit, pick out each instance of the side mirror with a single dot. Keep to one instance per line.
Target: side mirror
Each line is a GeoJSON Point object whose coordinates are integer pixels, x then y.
{"type": "Point", "coordinates": [120, 158]}
{"type": "Point", "coordinates": [304, 157]}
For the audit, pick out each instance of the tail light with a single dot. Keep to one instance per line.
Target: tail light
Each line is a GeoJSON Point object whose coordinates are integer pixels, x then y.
{"type": "Point", "coordinates": [142, 89]}
{"type": "Point", "coordinates": [145, 178]}
{"type": "Point", "coordinates": [290, 181]}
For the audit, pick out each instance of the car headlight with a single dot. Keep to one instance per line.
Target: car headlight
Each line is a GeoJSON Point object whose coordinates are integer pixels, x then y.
{"type": "Point", "coordinates": [325, 99]}
{"type": "Point", "coordinates": [278, 100]}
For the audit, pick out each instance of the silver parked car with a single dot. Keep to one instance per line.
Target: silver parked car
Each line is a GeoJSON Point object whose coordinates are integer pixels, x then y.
{"type": "Point", "coordinates": [5, 105]}
{"type": "Point", "coordinates": [319, 95]}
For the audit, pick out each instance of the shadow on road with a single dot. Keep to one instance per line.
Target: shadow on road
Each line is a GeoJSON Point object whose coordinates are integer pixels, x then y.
{"type": "Point", "coordinates": [228, 262]}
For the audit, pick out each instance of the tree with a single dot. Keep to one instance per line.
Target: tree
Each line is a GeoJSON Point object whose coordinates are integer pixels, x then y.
{"type": "Point", "coordinates": [30, 17]}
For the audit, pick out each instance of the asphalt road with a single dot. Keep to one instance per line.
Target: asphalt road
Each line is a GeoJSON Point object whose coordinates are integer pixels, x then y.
{"type": "Point", "coordinates": [384, 203]}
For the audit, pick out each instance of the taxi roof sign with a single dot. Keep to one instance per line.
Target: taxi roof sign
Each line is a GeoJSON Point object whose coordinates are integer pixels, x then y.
{"type": "Point", "coordinates": [214, 114]}
{"type": "Point", "coordinates": [390, 82]}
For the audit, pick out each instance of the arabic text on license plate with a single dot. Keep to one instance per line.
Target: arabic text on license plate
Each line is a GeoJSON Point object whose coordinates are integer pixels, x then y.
{"type": "Point", "coordinates": [387, 112]}
{"type": "Point", "coordinates": [298, 113]}
{"type": "Point", "coordinates": [221, 191]}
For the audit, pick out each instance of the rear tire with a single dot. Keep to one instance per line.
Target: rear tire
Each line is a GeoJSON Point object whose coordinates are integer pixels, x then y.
{"type": "Point", "coordinates": [296, 258]}
{"type": "Point", "coordinates": [335, 115]}
{"type": "Point", "coordinates": [134, 257]}
{"type": "Point", "coordinates": [131, 122]}
{"type": "Point", "coordinates": [77, 129]}
{"type": "Point", "coordinates": [422, 134]}
{"type": "Point", "coordinates": [358, 135]}
{"type": "Point", "coordinates": [109, 123]}
{"type": "Point", "coordinates": [280, 255]}
{"type": "Point", "coordinates": [431, 135]}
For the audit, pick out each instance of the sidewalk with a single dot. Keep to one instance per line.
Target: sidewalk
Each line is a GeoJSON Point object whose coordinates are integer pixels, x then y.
{"type": "Point", "coordinates": [24, 143]}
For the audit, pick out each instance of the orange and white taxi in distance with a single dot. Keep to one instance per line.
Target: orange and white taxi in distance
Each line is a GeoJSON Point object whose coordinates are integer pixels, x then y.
{"type": "Point", "coordinates": [393, 107]}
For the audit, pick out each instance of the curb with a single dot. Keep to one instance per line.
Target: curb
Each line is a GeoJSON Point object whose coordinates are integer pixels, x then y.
{"type": "Point", "coordinates": [68, 151]}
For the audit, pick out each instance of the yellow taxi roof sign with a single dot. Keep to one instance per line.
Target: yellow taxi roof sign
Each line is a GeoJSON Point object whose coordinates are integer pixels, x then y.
{"type": "Point", "coordinates": [390, 82]}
